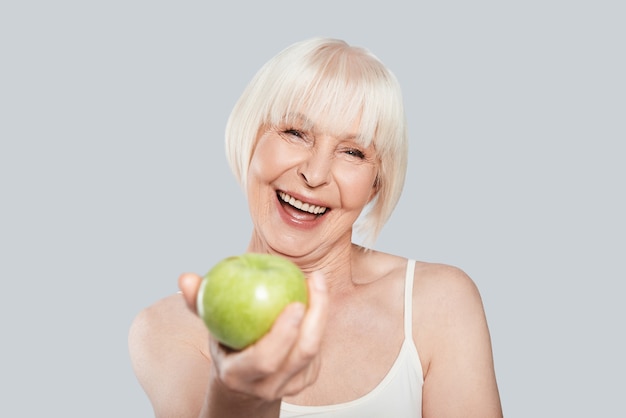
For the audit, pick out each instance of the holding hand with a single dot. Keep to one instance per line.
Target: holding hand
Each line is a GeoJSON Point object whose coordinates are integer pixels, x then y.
{"type": "Point", "coordinates": [285, 360]}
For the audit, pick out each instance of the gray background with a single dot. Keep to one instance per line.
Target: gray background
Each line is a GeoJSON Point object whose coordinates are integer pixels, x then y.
{"type": "Point", "coordinates": [114, 181]}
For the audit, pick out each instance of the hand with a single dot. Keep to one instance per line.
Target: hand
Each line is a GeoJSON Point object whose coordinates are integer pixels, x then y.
{"type": "Point", "coordinates": [283, 362]}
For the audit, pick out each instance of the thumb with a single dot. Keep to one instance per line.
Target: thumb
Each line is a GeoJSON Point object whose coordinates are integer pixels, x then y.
{"type": "Point", "coordinates": [189, 284]}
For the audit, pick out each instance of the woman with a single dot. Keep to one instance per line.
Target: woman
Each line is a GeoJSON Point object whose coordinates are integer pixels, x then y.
{"type": "Point", "coordinates": [318, 142]}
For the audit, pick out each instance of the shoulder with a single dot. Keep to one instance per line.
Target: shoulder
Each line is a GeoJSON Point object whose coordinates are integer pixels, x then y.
{"type": "Point", "coordinates": [447, 308]}
{"type": "Point", "coordinates": [452, 337]}
{"type": "Point", "coordinates": [166, 317]}
{"type": "Point", "coordinates": [444, 288]}
{"type": "Point", "coordinates": [166, 322]}
{"type": "Point", "coordinates": [435, 285]}
{"type": "Point", "coordinates": [165, 341]}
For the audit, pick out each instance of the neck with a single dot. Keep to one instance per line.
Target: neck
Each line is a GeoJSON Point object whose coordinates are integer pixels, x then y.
{"type": "Point", "coordinates": [334, 261]}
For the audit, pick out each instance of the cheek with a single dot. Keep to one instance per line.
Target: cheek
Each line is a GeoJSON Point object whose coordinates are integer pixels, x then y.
{"type": "Point", "coordinates": [271, 158]}
{"type": "Point", "coordinates": [260, 175]}
{"type": "Point", "coordinates": [263, 164]}
{"type": "Point", "coordinates": [356, 186]}
{"type": "Point", "coordinates": [259, 164]}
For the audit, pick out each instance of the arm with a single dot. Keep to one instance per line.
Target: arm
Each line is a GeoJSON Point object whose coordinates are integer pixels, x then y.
{"type": "Point", "coordinates": [459, 378]}
{"type": "Point", "coordinates": [187, 374]}
{"type": "Point", "coordinates": [169, 353]}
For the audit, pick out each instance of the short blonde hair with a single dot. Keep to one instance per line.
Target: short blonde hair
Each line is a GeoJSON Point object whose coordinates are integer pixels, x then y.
{"type": "Point", "coordinates": [328, 79]}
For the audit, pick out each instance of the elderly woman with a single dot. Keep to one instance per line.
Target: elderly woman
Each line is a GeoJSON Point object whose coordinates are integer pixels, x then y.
{"type": "Point", "coordinates": [318, 142]}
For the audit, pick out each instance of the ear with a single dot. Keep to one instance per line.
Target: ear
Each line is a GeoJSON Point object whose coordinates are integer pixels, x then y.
{"type": "Point", "coordinates": [375, 189]}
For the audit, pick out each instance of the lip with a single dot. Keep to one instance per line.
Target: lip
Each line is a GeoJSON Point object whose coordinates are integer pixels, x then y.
{"type": "Point", "coordinates": [304, 199]}
{"type": "Point", "coordinates": [300, 220]}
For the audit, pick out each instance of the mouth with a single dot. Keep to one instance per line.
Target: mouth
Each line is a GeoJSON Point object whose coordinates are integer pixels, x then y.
{"type": "Point", "coordinates": [301, 206]}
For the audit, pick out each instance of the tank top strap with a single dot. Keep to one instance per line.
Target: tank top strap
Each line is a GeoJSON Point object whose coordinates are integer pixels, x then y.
{"type": "Point", "coordinates": [408, 300]}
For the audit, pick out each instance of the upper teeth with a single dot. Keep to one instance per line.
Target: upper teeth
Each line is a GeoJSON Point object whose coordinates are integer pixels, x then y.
{"type": "Point", "coordinates": [302, 206]}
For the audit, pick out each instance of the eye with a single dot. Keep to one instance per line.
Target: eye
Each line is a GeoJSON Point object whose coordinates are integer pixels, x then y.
{"type": "Point", "coordinates": [354, 152]}
{"type": "Point", "coordinates": [297, 136]}
{"type": "Point", "coordinates": [294, 132]}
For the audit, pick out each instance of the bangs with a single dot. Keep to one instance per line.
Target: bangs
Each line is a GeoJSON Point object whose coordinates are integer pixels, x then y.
{"type": "Point", "coordinates": [332, 90]}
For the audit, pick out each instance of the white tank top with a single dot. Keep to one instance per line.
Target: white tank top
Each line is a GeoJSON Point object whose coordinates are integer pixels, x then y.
{"type": "Point", "coordinates": [398, 395]}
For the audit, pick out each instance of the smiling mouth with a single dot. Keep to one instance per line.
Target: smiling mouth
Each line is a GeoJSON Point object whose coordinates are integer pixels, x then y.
{"type": "Point", "coordinates": [301, 206]}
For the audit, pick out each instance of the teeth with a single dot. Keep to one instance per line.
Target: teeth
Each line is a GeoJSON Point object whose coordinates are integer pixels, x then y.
{"type": "Point", "coordinates": [316, 210]}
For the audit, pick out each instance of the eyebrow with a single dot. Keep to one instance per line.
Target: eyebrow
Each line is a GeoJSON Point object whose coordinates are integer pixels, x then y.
{"type": "Point", "coordinates": [309, 124]}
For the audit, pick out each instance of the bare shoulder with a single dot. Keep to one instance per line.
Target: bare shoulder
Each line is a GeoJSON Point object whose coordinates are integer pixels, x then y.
{"type": "Point", "coordinates": [447, 308]}
{"type": "Point", "coordinates": [452, 338]}
{"type": "Point", "coordinates": [168, 318]}
{"type": "Point", "coordinates": [166, 323]}
{"type": "Point", "coordinates": [166, 340]}
{"type": "Point", "coordinates": [443, 288]}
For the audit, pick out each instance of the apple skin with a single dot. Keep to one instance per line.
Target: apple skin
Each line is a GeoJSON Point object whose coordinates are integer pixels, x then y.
{"type": "Point", "coordinates": [241, 296]}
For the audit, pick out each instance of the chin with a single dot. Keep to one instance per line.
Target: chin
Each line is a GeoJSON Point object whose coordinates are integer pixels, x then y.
{"type": "Point", "coordinates": [290, 245]}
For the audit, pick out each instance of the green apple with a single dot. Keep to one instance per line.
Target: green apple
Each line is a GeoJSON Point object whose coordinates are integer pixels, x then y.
{"type": "Point", "coordinates": [241, 296]}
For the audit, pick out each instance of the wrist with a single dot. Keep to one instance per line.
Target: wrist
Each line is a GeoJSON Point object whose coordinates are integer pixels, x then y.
{"type": "Point", "coordinates": [224, 402]}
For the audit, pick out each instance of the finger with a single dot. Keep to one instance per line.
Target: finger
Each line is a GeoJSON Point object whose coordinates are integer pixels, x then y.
{"type": "Point", "coordinates": [268, 354]}
{"type": "Point", "coordinates": [303, 362]}
{"type": "Point", "coordinates": [314, 323]}
{"type": "Point", "coordinates": [222, 359]}
{"type": "Point", "coordinates": [308, 325]}
{"type": "Point", "coordinates": [284, 360]}
{"type": "Point", "coordinates": [189, 284]}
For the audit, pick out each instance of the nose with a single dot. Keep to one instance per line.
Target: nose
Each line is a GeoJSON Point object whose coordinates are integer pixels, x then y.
{"type": "Point", "coordinates": [315, 170]}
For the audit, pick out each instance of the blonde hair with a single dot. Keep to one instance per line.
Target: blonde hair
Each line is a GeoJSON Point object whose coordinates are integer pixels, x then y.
{"type": "Point", "coordinates": [328, 80]}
